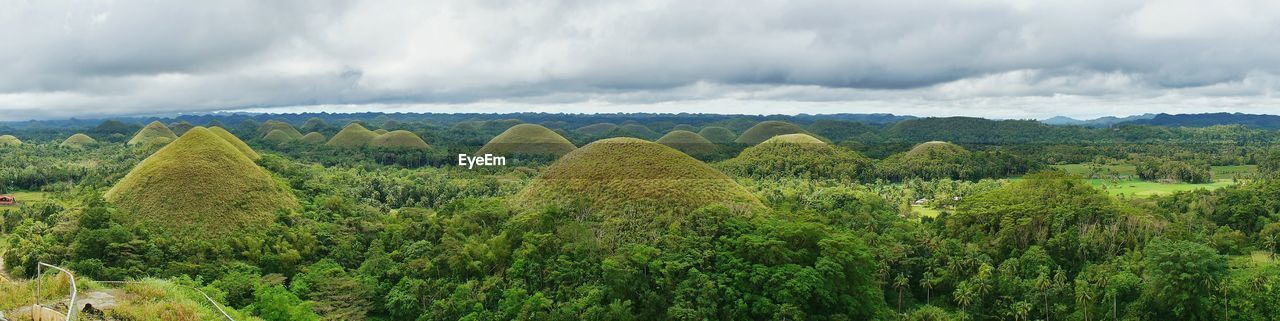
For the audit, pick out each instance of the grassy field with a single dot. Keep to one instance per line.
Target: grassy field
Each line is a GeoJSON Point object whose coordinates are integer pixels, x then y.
{"type": "Point", "coordinates": [1144, 188]}
{"type": "Point", "coordinates": [1084, 170]}
{"type": "Point", "coordinates": [927, 211]}
{"type": "Point", "coordinates": [29, 197]}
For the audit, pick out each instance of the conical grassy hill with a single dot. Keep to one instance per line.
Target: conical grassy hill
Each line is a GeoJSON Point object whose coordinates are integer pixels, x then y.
{"type": "Point", "coordinates": [799, 155]}
{"type": "Point", "coordinates": [9, 140]}
{"type": "Point", "coordinates": [689, 143]}
{"type": "Point", "coordinates": [199, 186]}
{"type": "Point", "coordinates": [78, 141]}
{"type": "Point", "coordinates": [766, 130]}
{"type": "Point", "coordinates": [313, 138]}
{"type": "Point", "coordinates": [527, 139]}
{"type": "Point", "coordinates": [628, 175]}
{"type": "Point", "coordinates": [599, 129]}
{"type": "Point", "coordinates": [236, 142]}
{"type": "Point", "coordinates": [718, 135]}
{"type": "Point", "coordinates": [154, 130]}
{"type": "Point", "coordinates": [352, 136]}
{"type": "Point", "coordinates": [636, 130]}
{"type": "Point", "coordinates": [400, 139]}
{"type": "Point", "coordinates": [936, 150]}
{"type": "Point", "coordinates": [283, 127]}
{"type": "Point", "coordinates": [277, 137]}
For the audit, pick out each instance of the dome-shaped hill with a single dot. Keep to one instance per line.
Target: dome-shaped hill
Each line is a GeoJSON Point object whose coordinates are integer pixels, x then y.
{"type": "Point", "coordinates": [688, 142]}
{"type": "Point", "coordinates": [527, 139]}
{"type": "Point", "coordinates": [766, 130]}
{"type": "Point", "coordinates": [352, 136]}
{"type": "Point", "coordinates": [498, 125]}
{"type": "Point", "coordinates": [199, 182]}
{"type": "Point", "coordinates": [78, 141]}
{"type": "Point", "coordinates": [794, 139]}
{"type": "Point", "coordinates": [154, 130]}
{"type": "Point", "coordinates": [718, 135]}
{"type": "Point", "coordinates": [636, 130]}
{"type": "Point", "coordinates": [181, 127]}
{"type": "Point", "coordinates": [214, 123]}
{"type": "Point", "coordinates": [235, 142]}
{"type": "Point", "coordinates": [314, 123]}
{"type": "Point", "coordinates": [628, 175]}
{"type": "Point", "coordinates": [313, 138]}
{"type": "Point", "coordinates": [597, 130]}
{"type": "Point", "coordinates": [936, 150]}
{"type": "Point", "coordinates": [466, 126]}
{"type": "Point", "coordinates": [380, 131]}
{"type": "Point", "coordinates": [277, 137]}
{"type": "Point", "coordinates": [400, 139]}
{"type": "Point", "coordinates": [684, 127]}
{"type": "Point", "coordinates": [9, 140]}
{"type": "Point", "coordinates": [798, 155]}
{"type": "Point", "coordinates": [283, 127]}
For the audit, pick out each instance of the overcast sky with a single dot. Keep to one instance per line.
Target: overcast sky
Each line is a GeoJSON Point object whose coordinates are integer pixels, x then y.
{"type": "Point", "coordinates": [999, 59]}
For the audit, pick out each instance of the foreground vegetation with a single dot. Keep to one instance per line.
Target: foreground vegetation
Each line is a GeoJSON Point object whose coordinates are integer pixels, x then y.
{"type": "Point", "coordinates": [867, 222]}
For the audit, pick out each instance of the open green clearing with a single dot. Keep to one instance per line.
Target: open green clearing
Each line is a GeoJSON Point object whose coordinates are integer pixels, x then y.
{"type": "Point", "coordinates": [30, 197]}
{"type": "Point", "coordinates": [1144, 188]}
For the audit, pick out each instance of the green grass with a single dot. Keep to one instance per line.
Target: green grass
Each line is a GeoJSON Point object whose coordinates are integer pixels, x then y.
{"type": "Point", "coordinates": [1085, 170]}
{"type": "Point", "coordinates": [927, 211]}
{"type": "Point", "coordinates": [1144, 188]}
{"type": "Point", "coordinates": [352, 136]}
{"type": "Point", "coordinates": [688, 142]}
{"type": "Point", "coordinates": [599, 129]}
{"type": "Point", "coordinates": [766, 130]}
{"type": "Point", "coordinates": [1223, 172]}
{"type": "Point", "coordinates": [718, 135]}
{"type": "Point", "coordinates": [155, 131]}
{"type": "Point", "coordinates": [30, 197]}
{"type": "Point", "coordinates": [400, 139]}
{"type": "Point", "coordinates": [527, 139]}
{"type": "Point", "coordinates": [78, 141]}
{"type": "Point", "coordinates": [936, 150]}
{"type": "Point", "coordinates": [612, 175]}
{"type": "Point", "coordinates": [199, 182]}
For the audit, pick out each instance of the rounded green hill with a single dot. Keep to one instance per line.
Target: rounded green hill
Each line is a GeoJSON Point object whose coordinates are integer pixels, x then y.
{"type": "Point", "coordinates": [283, 127]}
{"type": "Point", "coordinates": [794, 139]}
{"type": "Point", "coordinates": [636, 130]}
{"type": "Point", "coordinates": [400, 139]}
{"type": "Point", "coordinates": [936, 150]}
{"type": "Point", "coordinates": [352, 136]}
{"type": "Point", "coordinates": [597, 130]}
{"type": "Point", "coordinates": [527, 139]}
{"type": "Point", "coordinates": [199, 182]}
{"type": "Point", "coordinates": [684, 127]}
{"type": "Point", "coordinates": [9, 140]}
{"type": "Point", "coordinates": [766, 130]}
{"type": "Point", "coordinates": [799, 155]}
{"type": "Point", "coordinates": [181, 127]}
{"type": "Point", "coordinates": [235, 142]}
{"type": "Point", "coordinates": [78, 141]}
{"type": "Point", "coordinates": [689, 143]}
{"type": "Point", "coordinates": [314, 123]}
{"type": "Point", "coordinates": [277, 137]}
{"type": "Point", "coordinates": [154, 130]}
{"type": "Point", "coordinates": [718, 135]}
{"type": "Point", "coordinates": [633, 176]}
{"type": "Point", "coordinates": [313, 138]}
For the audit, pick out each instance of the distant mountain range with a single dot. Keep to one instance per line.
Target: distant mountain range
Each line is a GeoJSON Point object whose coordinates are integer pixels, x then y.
{"type": "Point", "coordinates": [1096, 122]}
{"type": "Point", "coordinates": [1178, 120]}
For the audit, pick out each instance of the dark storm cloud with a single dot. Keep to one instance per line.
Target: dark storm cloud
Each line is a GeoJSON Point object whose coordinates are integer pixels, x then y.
{"type": "Point", "coordinates": [988, 58]}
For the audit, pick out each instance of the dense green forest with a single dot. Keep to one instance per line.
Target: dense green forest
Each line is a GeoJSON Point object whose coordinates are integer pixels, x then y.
{"type": "Point", "coordinates": [837, 217]}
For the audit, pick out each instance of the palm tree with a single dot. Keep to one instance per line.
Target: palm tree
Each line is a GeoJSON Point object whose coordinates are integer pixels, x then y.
{"type": "Point", "coordinates": [900, 282]}
{"type": "Point", "coordinates": [1044, 285]}
{"type": "Point", "coordinates": [927, 282]}
{"type": "Point", "coordinates": [1084, 296]}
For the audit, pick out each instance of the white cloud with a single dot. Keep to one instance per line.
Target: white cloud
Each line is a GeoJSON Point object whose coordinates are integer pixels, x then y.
{"type": "Point", "coordinates": [978, 57]}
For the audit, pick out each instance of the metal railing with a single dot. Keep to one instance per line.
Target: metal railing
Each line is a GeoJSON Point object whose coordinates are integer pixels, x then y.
{"type": "Point", "coordinates": [71, 305]}
{"type": "Point", "coordinates": [206, 296]}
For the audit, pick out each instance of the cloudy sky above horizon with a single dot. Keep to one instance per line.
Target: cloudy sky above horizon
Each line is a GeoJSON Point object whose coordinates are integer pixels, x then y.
{"type": "Point", "coordinates": [997, 58]}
